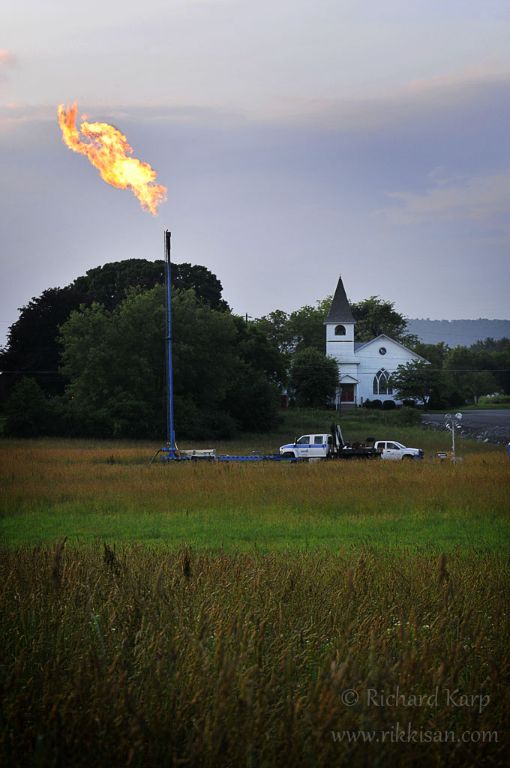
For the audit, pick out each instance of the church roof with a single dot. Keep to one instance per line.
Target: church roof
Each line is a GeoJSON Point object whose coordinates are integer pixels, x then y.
{"type": "Point", "coordinates": [340, 311]}
{"type": "Point", "coordinates": [383, 337]}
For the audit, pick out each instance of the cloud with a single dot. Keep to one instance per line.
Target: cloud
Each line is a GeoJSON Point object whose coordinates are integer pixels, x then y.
{"type": "Point", "coordinates": [479, 199]}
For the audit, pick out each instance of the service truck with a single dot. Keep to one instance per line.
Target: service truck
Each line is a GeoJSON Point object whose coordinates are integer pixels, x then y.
{"type": "Point", "coordinates": [328, 445]}
{"type": "Point", "coordinates": [331, 445]}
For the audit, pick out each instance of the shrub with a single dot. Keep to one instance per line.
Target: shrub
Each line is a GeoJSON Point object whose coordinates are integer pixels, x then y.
{"type": "Point", "coordinates": [372, 404]}
{"type": "Point", "coordinates": [389, 405]}
{"type": "Point", "coordinates": [406, 416]}
{"type": "Point", "coordinates": [455, 399]}
{"type": "Point", "coordinates": [28, 411]}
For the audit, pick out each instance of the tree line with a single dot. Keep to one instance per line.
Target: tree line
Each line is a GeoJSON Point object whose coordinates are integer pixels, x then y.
{"type": "Point", "coordinates": [89, 359]}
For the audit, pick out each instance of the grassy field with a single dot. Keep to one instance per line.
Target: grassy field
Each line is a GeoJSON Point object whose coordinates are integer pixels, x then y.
{"type": "Point", "coordinates": [91, 492]}
{"type": "Point", "coordinates": [254, 615]}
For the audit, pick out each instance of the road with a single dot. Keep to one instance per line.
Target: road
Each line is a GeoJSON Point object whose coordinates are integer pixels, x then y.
{"type": "Point", "coordinates": [492, 426]}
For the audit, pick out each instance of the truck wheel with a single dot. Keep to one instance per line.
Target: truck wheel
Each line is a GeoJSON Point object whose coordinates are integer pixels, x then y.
{"type": "Point", "coordinates": [407, 458]}
{"type": "Point", "coordinates": [288, 455]}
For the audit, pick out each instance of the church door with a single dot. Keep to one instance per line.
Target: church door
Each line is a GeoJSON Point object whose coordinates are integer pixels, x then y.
{"type": "Point", "coordinates": [347, 393]}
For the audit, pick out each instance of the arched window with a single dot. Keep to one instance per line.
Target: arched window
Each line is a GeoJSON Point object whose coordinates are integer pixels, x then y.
{"type": "Point", "coordinates": [340, 330]}
{"type": "Point", "coordinates": [382, 383]}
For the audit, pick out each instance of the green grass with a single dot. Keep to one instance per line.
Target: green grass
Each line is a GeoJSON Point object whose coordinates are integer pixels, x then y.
{"type": "Point", "coordinates": [271, 531]}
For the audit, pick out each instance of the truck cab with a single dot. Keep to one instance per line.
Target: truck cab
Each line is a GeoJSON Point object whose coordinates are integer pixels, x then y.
{"type": "Point", "coordinates": [312, 446]}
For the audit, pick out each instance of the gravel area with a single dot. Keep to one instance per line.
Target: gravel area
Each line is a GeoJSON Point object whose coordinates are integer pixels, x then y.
{"type": "Point", "coordinates": [489, 426]}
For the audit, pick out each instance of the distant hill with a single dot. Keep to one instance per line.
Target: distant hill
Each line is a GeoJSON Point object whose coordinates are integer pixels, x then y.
{"type": "Point", "coordinates": [457, 333]}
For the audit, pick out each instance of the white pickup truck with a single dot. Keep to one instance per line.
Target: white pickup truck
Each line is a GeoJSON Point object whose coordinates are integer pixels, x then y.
{"type": "Point", "coordinates": [393, 451]}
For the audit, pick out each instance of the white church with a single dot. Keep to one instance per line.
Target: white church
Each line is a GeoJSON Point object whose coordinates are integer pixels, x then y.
{"type": "Point", "coordinates": [364, 368]}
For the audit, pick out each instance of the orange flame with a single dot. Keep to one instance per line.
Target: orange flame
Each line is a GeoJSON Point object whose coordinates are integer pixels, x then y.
{"type": "Point", "coordinates": [108, 149]}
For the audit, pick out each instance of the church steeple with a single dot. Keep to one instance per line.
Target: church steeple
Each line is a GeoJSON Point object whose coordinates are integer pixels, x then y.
{"type": "Point", "coordinates": [340, 327]}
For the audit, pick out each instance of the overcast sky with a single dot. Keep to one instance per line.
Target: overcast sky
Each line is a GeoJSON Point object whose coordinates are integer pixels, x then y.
{"type": "Point", "coordinates": [298, 140]}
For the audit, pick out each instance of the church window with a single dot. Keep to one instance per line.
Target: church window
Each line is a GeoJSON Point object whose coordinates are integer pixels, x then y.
{"type": "Point", "coordinates": [382, 350]}
{"type": "Point", "coordinates": [340, 330]}
{"type": "Point", "coordinates": [382, 383]}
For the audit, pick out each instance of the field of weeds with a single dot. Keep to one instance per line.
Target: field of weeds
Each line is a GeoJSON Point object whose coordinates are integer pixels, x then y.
{"type": "Point", "coordinates": [141, 657]}
{"type": "Point", "coordinates": [350, 613]}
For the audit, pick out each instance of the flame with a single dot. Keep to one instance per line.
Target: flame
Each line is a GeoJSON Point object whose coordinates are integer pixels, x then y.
{"type": "Point", "coordinates": [108, 150]}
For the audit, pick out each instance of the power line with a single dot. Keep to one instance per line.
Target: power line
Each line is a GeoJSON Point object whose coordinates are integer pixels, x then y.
{"type": "Point", "coordinates": [312, 368]}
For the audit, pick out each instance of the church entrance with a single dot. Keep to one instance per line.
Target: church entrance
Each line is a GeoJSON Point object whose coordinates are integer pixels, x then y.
{"type": "Point", "coordinates": [347, 393]}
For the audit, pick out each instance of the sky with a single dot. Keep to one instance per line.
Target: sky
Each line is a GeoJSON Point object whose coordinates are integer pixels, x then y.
{"type": "Point", "coordinates": [298, 141]}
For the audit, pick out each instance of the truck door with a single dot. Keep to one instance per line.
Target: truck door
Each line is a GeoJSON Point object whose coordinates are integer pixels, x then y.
{"type": "Point", "coordinates": [319, 446]}
{"type": "Point", "coordinates": [392, 452]}
{"type": "Point", "coordinates": [303, 446]}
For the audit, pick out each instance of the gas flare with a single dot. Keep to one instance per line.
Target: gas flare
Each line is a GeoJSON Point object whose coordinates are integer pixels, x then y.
{"type": "Point", "coordinates": [108, 150]}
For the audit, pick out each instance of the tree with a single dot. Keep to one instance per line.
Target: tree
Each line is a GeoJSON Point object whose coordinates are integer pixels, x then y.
{"type": "Point", "coordinates": [259, 352]}
{"type": "Point", "coordinates": [415, 380]}
{"type": "Point", "coordinates": [301, 329]}
{"type": "Point", "coordinates": [275, 327]}
{"type": "Point", "coordinates": [470, 370]}
{"type": "Point", "coordinates": [109, 284]}
{"type": "Point", "coordinates": [313, 378]}
{"type": "Point", "coordinates": [375, 316]}
{"type": "Point", "coordinates": [115, 363]}
{"type": "Point", "coordinates": [495, 357]}
{"type": "Point", "coordinates": [304, 328]}
{"type": "Point", "coordinates": [27, 411]}
{"type": "Point", "coordinates": [32, 346]}
{"type": "Point", "coordinates": [436, 354]}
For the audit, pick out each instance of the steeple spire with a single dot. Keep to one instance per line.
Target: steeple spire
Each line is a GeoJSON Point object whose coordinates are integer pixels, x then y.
{"type": "Point", "coordinates": [340, 311]}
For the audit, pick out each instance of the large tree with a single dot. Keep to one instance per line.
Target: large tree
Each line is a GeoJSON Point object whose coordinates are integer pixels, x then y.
{"type": "Point", "coordinates": [304, 328]}
{"type": "Point", "coordinates": [32, 348]}
{"type": "Point", "coordinates": [313, 378]}
{"type": "Point", "coordinates": [298, 330]}
{"type": "Point", "coordinates": [115, 363]}
{"type": "Point", "coordinates": [375, 316]}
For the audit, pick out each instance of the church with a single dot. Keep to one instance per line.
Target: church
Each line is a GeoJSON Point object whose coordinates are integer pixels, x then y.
{"type": "Point", "coordinates": [364, 368]}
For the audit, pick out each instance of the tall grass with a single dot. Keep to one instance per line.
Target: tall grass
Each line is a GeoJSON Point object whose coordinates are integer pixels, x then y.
{"type": "Point", "coordinates": [132, 657]}
{"type": "Point", "coordinates": [110, 492]}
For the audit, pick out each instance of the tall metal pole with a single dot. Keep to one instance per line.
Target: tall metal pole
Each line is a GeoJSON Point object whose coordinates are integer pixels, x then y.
{"type": "Point", "coordinates": [170, 432]}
